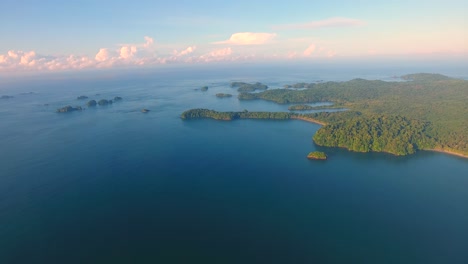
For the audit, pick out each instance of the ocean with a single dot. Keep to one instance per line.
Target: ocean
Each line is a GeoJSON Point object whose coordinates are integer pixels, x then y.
{"type": "Point", "coordinates": [111, 184]}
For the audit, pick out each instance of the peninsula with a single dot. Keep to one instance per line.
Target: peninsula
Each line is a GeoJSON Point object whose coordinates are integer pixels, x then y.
{"type": "Point", "coordinates": [424, 112]}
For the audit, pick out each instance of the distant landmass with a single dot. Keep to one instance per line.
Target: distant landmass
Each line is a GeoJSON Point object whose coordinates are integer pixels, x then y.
{"type": "Point", "coordinates": [223, 95]}
{"type": "Point", "coordinates": [423, 112]}
{"type": "Point", "coordinates": [248, 87]}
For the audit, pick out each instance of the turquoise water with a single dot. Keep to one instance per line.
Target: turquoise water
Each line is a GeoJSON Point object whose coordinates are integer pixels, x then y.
{"type": "Point", "coordinates": [114, 185]}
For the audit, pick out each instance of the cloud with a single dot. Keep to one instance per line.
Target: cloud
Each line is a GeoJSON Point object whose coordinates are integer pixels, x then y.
{"type": "Point", "coordinates": [307, 52]}
{"type": "Point", "coordinates": [102, 55]}
{"type": "Point", "coordinates": [124, 55]}
{"type": "Point", "coordinates": [127, 52]}
{"type": "Point", "coordinates": [248, 38]}
{"type": "Point", "coordinates": [185, 51]}
{"type": "Point", "coordinates": [325, 23]}
{"type": "Point", "coordinates": [148, 42]}
{"type": "Point", "coordinates": [221, 52]}
{"type": "Point", "coordinates": [215, 55]}
{"type": "Point", "coordinates": [14, 59]}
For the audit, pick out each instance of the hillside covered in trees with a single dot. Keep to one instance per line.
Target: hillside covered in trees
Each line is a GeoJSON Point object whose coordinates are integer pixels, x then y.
{"type": "Point", "coordinates": [433, 98]}
{"type": "Point", "coordinates": [206, 113]}
{"type": "Point", "coordinates": [423, 112]}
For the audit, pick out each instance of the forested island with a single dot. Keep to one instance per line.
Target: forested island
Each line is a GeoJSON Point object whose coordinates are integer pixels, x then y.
{"type": "Point", "coordinates": [248, 87]}
{"type": "Point", "coordinates": [223, 95]}
{"type": "Point", "coordinates": [206, 113]}
{"type": "Point", "coordinates": [425, 112]}
{"type": "Point", "coordinates": [317, 155]}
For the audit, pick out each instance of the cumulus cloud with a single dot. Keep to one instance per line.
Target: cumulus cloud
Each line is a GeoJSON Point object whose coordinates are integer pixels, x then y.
{"type": "Point", "coordinates": [185, 51]}
{"type": "Point", "coordinates": [215, 55]}
{"type": "Point", "coordinates": [127, 52]}
{"type": "Point", "coordinates": [325, 23]}
{"type": "Point", "coordinates": [14, 59]}
{"type": "Point", "coordinates": [307, 52]}
{"type": "Point", "coordinates": [221, 52]}
{"type": "Point", "coordinates": [123, 55]}
{"type": "Point", "coordinates": [102, 55]}
{"type": "Point", "coordinates": [248, 38]}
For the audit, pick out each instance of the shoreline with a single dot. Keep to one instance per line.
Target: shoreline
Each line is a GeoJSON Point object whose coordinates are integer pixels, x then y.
{"type": "Point", "coordinates": [448, 152]}
{"type": "Point", "coordinates": [308, 119]}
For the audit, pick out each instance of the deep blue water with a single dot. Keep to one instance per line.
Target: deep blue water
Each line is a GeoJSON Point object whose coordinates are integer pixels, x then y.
{"type": "Point", "coordinates": [114, 185]}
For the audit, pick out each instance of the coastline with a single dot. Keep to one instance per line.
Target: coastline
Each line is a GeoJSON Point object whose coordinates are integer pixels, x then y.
{"type": "Point", "coordinates": [311, 120]}
{"type": "Point", "coordinates": [308, 119]}
{"type": "Point", "coordinates": [448, 152]}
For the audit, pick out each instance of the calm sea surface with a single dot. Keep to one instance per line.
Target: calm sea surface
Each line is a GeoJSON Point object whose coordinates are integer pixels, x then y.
{"type": "Point", "coordinates": [114, 185]}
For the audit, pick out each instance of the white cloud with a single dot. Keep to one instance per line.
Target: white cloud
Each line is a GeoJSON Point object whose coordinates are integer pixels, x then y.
{"type": "Point", "coordinates": [215, 55]}
{"type": "Point", "coordinates": [127, 52]}
{"type": "Point", "coordinates": [13, 54]}
{"type": "Point", "coordinates": [325, 23]}
{"type": "Point", "coordinates": [14, 59]}
{"type": "Point", "coordinates": [248, 38]}
{"type": "Point", "coordinates": [102, 55]}
{"type": "Point", "coordinates": [307, 52]}
{"type": "Point", "coordinates": [185, 51]}
{"type": "Point", "coordinates": [221, 52]}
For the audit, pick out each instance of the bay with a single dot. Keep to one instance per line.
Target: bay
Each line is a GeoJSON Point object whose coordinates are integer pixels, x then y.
{"type": "Point", "coordinates": [114, 185]}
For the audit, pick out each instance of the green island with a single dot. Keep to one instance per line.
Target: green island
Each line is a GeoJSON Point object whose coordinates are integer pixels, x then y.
{"type": "Point", "coordinates": [223, 95]}
{"type": "Point", "coordinates": [300, 107]}
{"type": "Point", "coordinates": [204, 89]}
{"type": "Point", "coordinates": [424, 112]}
{"type": "Point", "coordinates": [299, 85]}
{"type": "Point", "coordinates": [248, 87]}
{"type": "Point", "coordinates": [317, 155]}
{"type": "Point", "coordinates": [206, 113]}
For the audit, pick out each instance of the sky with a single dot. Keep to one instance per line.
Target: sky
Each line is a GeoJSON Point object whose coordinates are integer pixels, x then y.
{"type": "Point", "coordinates": [51, 35]}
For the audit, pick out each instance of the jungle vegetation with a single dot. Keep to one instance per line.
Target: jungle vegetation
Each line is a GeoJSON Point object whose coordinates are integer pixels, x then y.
{"type": "Point", "coordinates": [248, 87]}
{"type": "Point", "coordinates": [318, 155]}
{"type": "Point", "coordinates": [423, 112]}
{"type": "Point", "coordinates": [434, 99]}
{"type": "Point", "coordinates": [300, 107]}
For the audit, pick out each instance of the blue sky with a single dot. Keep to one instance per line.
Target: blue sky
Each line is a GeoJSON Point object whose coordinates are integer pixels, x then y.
{"type": "Point", "coordinates": [46, 35]}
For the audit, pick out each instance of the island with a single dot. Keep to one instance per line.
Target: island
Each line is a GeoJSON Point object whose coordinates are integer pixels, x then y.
{"type": "Point", "coordinates": [204, 89]}
{"type": "Point", "coordinates": [104, 102]}
{"type": "Point", "coordinates": [91, 103]}
{"type": "Point", "coordinates": [82, 97]}
{"type": "Point", "coordinates": [144, 110]}
{"type": "Point", "coordinates": [227, 116]}
{"type": "Point", "coordinates": [68, 108]}
{"type": "Point", "coordinates": [248, 87]}
{"type": "Point", "coordinates": [423, 112]}
{"type": "Point", "coordinates": [117, 98]}
{"type": "Point", "coordinates": [6, 97]}
{"type": "Point", "coordinates": [223, 95]}
{"type": "Point", "coordinates": [317, 155]}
